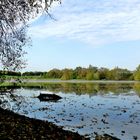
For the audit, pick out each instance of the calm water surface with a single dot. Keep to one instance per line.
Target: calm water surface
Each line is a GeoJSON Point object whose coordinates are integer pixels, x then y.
{"type": "Point", "coordinates": [88, 109]}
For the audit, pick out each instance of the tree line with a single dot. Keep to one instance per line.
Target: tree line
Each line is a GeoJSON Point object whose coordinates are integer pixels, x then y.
{"type": "Point", "coordinates": [89, 73]}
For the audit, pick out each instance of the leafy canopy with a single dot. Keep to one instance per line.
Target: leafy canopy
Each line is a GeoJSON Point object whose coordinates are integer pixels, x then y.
{"type": "Point", "coordinates": [14, 15]}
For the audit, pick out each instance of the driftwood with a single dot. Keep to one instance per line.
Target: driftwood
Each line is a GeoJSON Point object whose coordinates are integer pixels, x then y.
{"type": "Point", "coordinates": [49, 97]}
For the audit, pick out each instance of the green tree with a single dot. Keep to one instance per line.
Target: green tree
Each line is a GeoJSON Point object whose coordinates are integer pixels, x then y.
{"type": "Point", "coordinates": [54, 73]}
{"type": "Point", "coordinates": [76, 72]}
{"type": "Point", "coordinates": [96, 76]}
{"type": "Point", "coordinates": [89, 75]}
{"type": "Point", "coordinates": [92, 68]}
{"type": "Point", "coordinates": [103, 73]}
{"type": "Point", "coordinates": [67, 74]}
{"type": "Point", "coordinates": [120, 74]}
{"type": "Point", "coordinates": [79, 73]}
{"type": "Point", "coordinates": [137, 73]}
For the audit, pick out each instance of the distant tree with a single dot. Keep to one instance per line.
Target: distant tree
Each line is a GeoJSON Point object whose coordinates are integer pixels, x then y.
{"type": "Point", "coordinates": [76, 72]}
{"type": "Point", "coordinates": [120, 74]}
{"type": "Point", "coordinates": [137, 73]}
{"type": "Point", "coordinates": [54, 73]}
{"type": "Point", "coordinates": [82, 74]}
{"type": "Point", "coordinates": [103, 73]}
{"type": "Point", "coordinates": [79, 73]}
{"type": "Point", "coordinates": [92, 68]}
{"type": "Point", "coordinates": [9, 73]}
{"type": "Point", "coordinates": [31, 73]}
{"type": "Point", "coordinates": [96, 76]}
{"type": "Point", "coordinates": [90, 75]}
{"type": "Point", "coordinates": [90, 72]}
{"type": "Point", "coordinates": [67, 74]}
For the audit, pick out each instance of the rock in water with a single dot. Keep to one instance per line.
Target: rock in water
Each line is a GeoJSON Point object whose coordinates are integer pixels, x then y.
{"type": "Point", "coordinates": [49, 97]}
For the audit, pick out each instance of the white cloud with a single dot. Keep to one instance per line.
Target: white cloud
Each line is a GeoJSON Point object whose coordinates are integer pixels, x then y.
{"type": "Point", "coordinates": [94, 22]}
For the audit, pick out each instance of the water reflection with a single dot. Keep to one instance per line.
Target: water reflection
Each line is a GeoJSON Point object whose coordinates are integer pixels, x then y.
{"type": "Point", "coordinates": [88, 108]}
{"type": "Point", "coordinates": [85, 88]}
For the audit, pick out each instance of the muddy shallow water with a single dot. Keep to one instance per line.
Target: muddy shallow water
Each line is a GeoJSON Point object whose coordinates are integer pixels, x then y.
{"type": "Point", "coordinates": [88, 109]}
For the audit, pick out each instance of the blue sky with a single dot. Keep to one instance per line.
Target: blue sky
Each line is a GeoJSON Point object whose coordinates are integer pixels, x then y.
{"type": "Point", "coordinates": [103, 33]}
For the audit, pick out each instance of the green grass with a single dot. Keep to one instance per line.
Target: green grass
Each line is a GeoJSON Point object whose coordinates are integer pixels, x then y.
{"type": "Point", "coordinates": [6, 84]}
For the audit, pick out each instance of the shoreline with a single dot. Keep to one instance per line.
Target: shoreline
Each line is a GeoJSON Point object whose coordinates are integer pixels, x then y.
{"type": "Point", "coordinates": [71, 81]}
{"type": "Point", "coordinates": [14, 126]}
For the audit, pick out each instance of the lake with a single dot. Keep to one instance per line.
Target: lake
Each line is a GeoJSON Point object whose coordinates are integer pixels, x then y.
{"type": "Point", "coordinates": [86, 108]}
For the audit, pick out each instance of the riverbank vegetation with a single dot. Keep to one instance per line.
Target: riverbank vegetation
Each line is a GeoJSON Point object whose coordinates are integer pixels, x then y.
{"type": "Point", "coordinates": [90, 73]}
